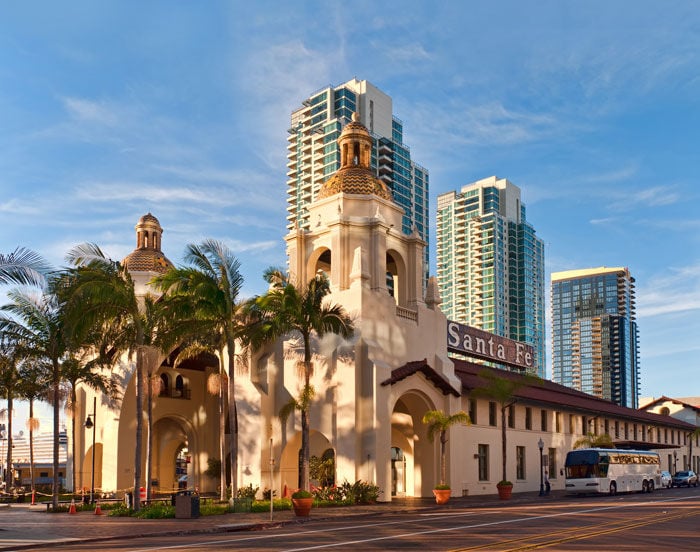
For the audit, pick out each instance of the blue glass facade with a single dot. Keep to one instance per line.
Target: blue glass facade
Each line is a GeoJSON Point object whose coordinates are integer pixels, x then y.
{"type": "Point", "coordinates": [594, 334]}
{"type": "Point", "coordinates": [490, 264]}
{"type": "Point", "coordinates": [313, 154]}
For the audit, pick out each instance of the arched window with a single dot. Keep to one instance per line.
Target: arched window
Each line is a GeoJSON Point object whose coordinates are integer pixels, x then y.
{"type": "Point", "coordinates": [179, 386]}
{"type": "Point", "coordinates": [164, 385]}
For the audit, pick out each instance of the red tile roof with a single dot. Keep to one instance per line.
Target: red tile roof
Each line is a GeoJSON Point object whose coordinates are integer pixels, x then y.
{"type": "Point", "coordinates": [424, 368]}
{"type": "Point", "coordinates": [548, 393]}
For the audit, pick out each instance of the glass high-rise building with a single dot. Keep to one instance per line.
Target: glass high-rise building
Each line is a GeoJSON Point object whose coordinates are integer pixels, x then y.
{"type": "Point", "coordinates": [313, 154]}
{"type": "Point", "coordinates": [490, 263]}
{"type": "Point", "coordinates": [594, 333]}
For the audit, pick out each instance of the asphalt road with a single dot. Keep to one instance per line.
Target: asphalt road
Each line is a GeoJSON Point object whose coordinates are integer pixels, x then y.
{"type": "Point", "coordinates": [664, 520]}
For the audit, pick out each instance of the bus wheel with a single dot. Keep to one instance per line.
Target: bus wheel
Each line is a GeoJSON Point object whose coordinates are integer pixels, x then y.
{"type": "Point", "coordinates": [613, 488]}
{"type": "Point", "coordinates": [650, 487]}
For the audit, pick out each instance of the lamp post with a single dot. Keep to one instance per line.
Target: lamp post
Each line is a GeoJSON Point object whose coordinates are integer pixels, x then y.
{"type": "Point", "coordinates": [92, 424]}
{"type": "Point", "coordinates": [540, 445]}
{"type": "Point", "coordinates": [675, 459]}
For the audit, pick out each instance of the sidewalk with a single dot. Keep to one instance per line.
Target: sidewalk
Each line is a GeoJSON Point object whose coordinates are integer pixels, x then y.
{"type": "Point", "coordinates": [24, 526]}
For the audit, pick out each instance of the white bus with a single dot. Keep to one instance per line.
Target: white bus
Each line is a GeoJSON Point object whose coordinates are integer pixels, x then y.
{"type": "Point", "coordinates": [611, 471]}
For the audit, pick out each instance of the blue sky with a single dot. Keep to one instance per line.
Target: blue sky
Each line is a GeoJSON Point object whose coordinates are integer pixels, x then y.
{"type": "Point", "coordinates": [109, 110]}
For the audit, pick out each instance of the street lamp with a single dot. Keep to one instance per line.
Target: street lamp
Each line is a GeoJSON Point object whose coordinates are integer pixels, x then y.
{"type": "Point", "coordinates": [540, 445]}
{"type": "Point", "coordinates": [675, 459]}
{"type": "Point", "coordinates": [91, 424]}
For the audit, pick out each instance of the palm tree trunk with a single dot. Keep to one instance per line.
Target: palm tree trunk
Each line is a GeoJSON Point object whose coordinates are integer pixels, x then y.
{"type": "Point", "coordinates": [222, 434]}
{"type": "Point", "coordinates": [503, 441]}
{"type": "Point", "coordinates": [8, 472]}
{"type": "Point", "coordinates": [149, 438]}
{"type": "Point", "coordinates": [31, 443]}
{"type": "Point", "coordinates": [73, 400]}
{"type": "Point", "coordinates": [139, 428]}
{"type": "Point", "coordinates": [56, 414]}
{"type": "Point", "coordinates": [443, 463]}
{"type": "Point", "coordinates": [232, 418]}
{"type": "Point", "coordinates": [305, 452]}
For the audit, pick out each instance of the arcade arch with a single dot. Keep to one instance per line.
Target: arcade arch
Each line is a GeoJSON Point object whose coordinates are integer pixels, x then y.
{"type": "Point", "coordinates": [413, 464]}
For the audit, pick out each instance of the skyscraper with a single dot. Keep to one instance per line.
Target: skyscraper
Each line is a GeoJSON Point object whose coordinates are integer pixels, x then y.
{"type": "Point", "coordinates": [594, 333]}
{"type": "Point", "coordinates": [490, 263]}
{"type": "Point", "coordinates": [313, 155]}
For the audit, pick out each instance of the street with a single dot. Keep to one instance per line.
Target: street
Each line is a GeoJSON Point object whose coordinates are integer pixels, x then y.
{"type": "Point", "coordinates": [664, 520]}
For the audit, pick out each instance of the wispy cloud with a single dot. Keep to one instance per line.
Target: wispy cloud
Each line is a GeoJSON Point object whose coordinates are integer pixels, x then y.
{"type": "Point", "coordinates": [677, 290]}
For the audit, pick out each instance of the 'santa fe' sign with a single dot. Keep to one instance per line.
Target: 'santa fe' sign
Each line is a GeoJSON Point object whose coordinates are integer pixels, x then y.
{"type": "Point", "coordinates": [487, 346]}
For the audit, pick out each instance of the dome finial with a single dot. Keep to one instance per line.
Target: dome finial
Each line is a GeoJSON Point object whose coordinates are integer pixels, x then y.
{"type": "Point", "coordinates": [355, 117]}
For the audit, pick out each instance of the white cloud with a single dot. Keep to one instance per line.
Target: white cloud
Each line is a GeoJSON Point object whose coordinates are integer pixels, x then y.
{"type": "Point", "coordinates": [676, 291]}
{"type": "Point", "coordinates": [92, 112]}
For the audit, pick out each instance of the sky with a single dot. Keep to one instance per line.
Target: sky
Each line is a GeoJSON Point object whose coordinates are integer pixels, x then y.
{"type": "Point", "coordinates": [112, 109]}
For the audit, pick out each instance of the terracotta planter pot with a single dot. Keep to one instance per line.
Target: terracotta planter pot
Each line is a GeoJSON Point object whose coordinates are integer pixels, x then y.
{"type": "Point", "coordinates": [302, 506]}
{"type": "Point", "coordinates": [442, 495]}
{"type": "Point", "coordinates": [504, 491]}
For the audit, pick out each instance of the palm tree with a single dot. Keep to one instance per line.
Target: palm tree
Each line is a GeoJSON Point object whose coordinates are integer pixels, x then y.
{"type": "Point", "coordinates": [438, 423]}
{"type": "Point", "coordinates": [502, 389]}
{"type": "Point", "coordinates": [9, 384]}
{"type": "Point", "coordinates": [36, 324]}
{"type": "Point", "coordinates": [74, 372]}
{"type": "Point", "coordinates": [205, 297]}
{"type": "Point", "coordinates": [290, 308]}
{"type": "Point", "coordinates": [23, 267]}
{"type": "Point", "coordinates": [100, 298]}
{"type": "Point", "coordinates": [35, 384]}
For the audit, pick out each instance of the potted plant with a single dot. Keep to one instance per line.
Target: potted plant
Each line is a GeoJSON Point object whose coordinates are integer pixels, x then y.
{"type": "Point", "coordinates": [439, 422]}
{"type": "Point", "coordinates": [302, 501]}
{"type": "Point", "coordinates": [505, 489]}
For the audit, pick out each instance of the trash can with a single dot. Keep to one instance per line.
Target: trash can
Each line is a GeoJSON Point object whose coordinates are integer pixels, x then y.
{"type": "Point", "coordinates": [186, 506]}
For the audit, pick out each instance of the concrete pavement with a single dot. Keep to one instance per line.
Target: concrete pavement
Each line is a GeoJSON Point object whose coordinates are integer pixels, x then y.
{"type": "Point", "coordinates": [24, 526]}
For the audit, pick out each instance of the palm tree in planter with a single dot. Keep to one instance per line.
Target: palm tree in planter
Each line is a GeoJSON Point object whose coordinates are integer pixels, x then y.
{"type": "Point", "coordinates": [503, 389]}
{"type": "Point", "coordinates": [301, 309]}
{"type": "Point", "coordinates": [438, 423]}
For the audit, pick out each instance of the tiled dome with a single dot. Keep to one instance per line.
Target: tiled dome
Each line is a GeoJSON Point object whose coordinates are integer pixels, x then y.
{"type": "Point", "coordinates": [355, 175]}
{"type": "Point", "coordinates": [147, 257]}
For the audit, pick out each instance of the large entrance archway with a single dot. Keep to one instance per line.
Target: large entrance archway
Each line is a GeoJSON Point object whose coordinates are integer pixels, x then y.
{"type": "Point", "coordinates": [174, 458]}
{"type": "Point", "coordinates": [412, 458]}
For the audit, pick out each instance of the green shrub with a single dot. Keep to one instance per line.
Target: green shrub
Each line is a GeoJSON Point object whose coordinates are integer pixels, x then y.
{"type": "Point", "coordinates": [210, 508]}
{"type": "Point", "coordinates": [264, 505]}
{"type": "Point", "coordinates": [360, 492]}
{"type": "Point", "coordinates": [121, 510]}
{"type": "Point", "coordinates": [247, 492]}
{"type": "Point", "coordinates": [442, 487]}
{"type": "Point", "coordinates": [157, 510]}
{"type": "Point", "coordinates": [301, 493]}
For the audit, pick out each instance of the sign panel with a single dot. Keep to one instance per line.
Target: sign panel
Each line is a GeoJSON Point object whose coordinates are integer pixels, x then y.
{"type": "Point", "coordinates": [487, 346]}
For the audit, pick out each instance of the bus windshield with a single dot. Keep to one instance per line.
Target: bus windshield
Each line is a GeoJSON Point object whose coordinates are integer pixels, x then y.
{"type": "Point", "coordinates": [583, 464]}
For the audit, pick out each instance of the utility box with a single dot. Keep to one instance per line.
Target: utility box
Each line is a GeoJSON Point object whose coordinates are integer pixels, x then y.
{"type": "Point", "coordinates": [186, 506]}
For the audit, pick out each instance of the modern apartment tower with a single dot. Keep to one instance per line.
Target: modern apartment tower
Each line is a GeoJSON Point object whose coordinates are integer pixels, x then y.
{"type": "Point", "coordinates": [313, 154]}
{"type": "Point", "coordinates": [594, 333]}
{"type": "Point", "coordinates": [490, 263]}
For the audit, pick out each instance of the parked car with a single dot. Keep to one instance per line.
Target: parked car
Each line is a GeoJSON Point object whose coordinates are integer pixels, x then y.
{"type": "Point", "coordinates": [666, 479]}
{"type": "Point", "coordinates": [685, 479]}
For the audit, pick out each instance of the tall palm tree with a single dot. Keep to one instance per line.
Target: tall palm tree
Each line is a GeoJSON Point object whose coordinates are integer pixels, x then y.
{"type": "Point", "coordinates": [36, 324]}
{"type": "Point", "coordinates": [74, 372]}
{"type": "Point", "coordinates": [100, 298]}
{"type": "Point", "coordinates": [502, 389]}
{"type": "Point", "coordinates": [301, 310]}
{"type": "Point", "coordinates": [438, 423]}
{"type": "Point", "coordinates": [9, 387]}
{"type": "Point", "coordinates": [22, 266]}
{"type": "Point", "coordinates": [204, 296]}
{"type": "Point", "coordinates": [35, 384]}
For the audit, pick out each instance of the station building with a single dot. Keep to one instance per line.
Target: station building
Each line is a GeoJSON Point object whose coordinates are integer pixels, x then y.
{"type": "Point", "coordinates": [371, 391]}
